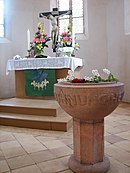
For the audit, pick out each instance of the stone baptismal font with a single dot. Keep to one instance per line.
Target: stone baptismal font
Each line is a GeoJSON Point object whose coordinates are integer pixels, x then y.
{"type": "Point", "coordinates": [88, 104]}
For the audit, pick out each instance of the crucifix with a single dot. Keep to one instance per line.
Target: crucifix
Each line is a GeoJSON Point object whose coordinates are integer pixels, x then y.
{"type": "Point", "coordinates": [53, 17]}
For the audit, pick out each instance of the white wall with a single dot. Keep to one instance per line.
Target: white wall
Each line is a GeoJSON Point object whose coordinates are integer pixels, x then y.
{"type": "Point", "coordinates": [115, 37]}
{"type": "Point", "coordinates": [20, 15]}
{"type": "Point", "coordinates": [127, 49]}
{"type": "Point", "coordinates": [94, 47]}
{"type": "Point", "coordinates": [105, 46]}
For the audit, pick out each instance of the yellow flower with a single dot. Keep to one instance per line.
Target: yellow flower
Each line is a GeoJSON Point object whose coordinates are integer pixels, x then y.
{"type": "Point", "coordinates": [39, 46]}
{"type": "Point", "coordinates": [76, 46]}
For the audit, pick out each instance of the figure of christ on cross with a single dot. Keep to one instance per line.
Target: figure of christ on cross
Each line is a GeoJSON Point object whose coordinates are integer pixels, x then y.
{"type": "Point", "coordinates": [53, 17]}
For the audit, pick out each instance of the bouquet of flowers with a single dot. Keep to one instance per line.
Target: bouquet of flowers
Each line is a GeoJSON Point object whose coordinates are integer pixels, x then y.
{"type": "Point", "coordinates": [67, 43]}
{"type": "Point", "coordinates": [39, 41]}
{"type": "Point", "coordinates": [66, 39]}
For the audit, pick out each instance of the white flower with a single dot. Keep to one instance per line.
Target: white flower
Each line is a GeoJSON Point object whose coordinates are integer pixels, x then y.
{"type": "Point", "coordinates": [95, 72]}
{"type": "Point", "coordinates": [70, 75]}
{"type": "Point", "coordinates": [88, 78]}
{"type": "Point", "coordinates": [106, 71]}
{"type": "Point", "coordinates": [61, 80]}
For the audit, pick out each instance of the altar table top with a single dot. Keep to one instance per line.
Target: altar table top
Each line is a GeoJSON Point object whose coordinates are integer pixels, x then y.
{"type": "Point", "coordinates": [44, 63]}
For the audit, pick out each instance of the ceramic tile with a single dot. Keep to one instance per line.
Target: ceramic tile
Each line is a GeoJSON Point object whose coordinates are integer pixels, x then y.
{"type": "Point", "coordinates": [118, 154]}
{"type": "Point", "coordinates": [28, 169]}
{"type": "Point", "coordinates": [55, 134]}
{"type": "Point", "coordinates": [9, 145]}
{"type": "Point", "coordinates": [29, 143]}
{"type": "Point", "coordinates": [2, 156]}
{"type": "Point", "coordinates": [42, 156]}
{"type": "Point", "coordinates": [125, 135]}
{"type": "Point", "coordinates": [113, 139]}
{"type": "Point", "coordinates": [67, 141]}
{"type": "Point", "coordinates": [3, 166]}
{"type": "Point", "coordinates": [62, 151]}
{"type": "Point", "coordinates": [118, 129]}
{"type": "Point", "coordinates": [106, 143]}
{"type": "Point", "coordinates": [11, 149]}
{"type": "Point", "coordinates": [128, 170]}
{"type": "Point", "coordinates": [21, 161]}
{"type": "Point", "coordinates": [34, 147]}
{"type": "Point", "coordinates": [71, 146]}
{"type": "Point", "coordinates": [43, 139]}
{"type": "Point", "coordinates": [6, 137]}
{"type": "Point", "coordinates": [66, 171]}
{"type": "Point", "coordinates": [124, 145]}
{"type": "Point", "coordinates": [65, 160]}
{"type": "Point", "coordinates": [52, 166]}
{"type": "Point", "coordinates": [116, 166]}
{"type": "Point", "coordinates": [54, 144]}
{"type": "Point", "coordinates": [112, 150]}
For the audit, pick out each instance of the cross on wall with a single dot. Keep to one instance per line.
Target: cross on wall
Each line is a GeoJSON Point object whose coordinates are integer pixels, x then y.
{"type": "Point", "coordinates": [54, 16]}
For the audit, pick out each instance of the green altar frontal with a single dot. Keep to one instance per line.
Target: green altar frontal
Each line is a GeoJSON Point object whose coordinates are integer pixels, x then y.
{"type": "Point", "coordinates": [39, 82]}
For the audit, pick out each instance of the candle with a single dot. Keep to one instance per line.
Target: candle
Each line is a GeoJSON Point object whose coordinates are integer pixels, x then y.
{"type": "Point", "coordinates": [59, 38]}
{"type": "Point", "coordinates": [28, 39]}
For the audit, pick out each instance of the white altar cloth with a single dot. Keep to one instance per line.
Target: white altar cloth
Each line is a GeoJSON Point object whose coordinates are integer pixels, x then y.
{"type": "Point", "coordinates": [44, 63]}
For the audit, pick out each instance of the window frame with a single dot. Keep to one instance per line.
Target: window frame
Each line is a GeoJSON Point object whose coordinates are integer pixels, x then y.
{"type": "Point", "coordinates": [7, 27]}
{"type": "Point", "coordinates": [3, 24]}
{"type": "Point", "coordinates": [83, 35]}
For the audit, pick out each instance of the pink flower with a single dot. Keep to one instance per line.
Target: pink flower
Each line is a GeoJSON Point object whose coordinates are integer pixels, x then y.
{"type": "Point", "coordinates": [65, 38]}
{"type": "Point", "coordinates": [64, 34]}
{"type": "Point", "coordinates": [42, 40]}
{"type": "Point", "coordinates": [36, 40]}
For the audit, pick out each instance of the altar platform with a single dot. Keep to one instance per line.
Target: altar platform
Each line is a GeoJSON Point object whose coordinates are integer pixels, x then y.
{"type": "Point", "coordinates": [32, 113]}
{"type": "Point", "coordinates": [37, 112]}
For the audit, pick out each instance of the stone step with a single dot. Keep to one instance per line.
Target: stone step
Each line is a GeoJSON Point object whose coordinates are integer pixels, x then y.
{"type": "Point", "coordinates": [30, 107]}
{"type": "Point", "coordinates": [60, 123]}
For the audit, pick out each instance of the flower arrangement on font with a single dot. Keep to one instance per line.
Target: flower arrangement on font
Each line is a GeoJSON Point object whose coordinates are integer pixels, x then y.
{"type": "Point", "coordinates": [39, 41]}
{"type": "Point", "coordinates": [96, 78]}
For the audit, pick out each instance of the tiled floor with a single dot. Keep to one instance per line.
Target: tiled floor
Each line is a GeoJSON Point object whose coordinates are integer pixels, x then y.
{"type": "Point", "coordinates": [39, 151]}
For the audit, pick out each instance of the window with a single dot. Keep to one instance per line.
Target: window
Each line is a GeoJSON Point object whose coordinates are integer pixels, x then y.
{"type": "Point", "coordinates": [77, 15]}
{"type": "Point", "coordinates": [2, 34]}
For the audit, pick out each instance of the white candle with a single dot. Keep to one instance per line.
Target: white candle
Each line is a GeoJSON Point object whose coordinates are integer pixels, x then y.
{"type": "Point", "coordinates": [28, 39]}
{"type": "Point", "coordinates": [59, 38]}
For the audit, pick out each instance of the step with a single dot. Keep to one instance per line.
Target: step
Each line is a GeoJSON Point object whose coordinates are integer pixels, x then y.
{"type": "Point", "coordinates": [60, 123]}
{"type": "Point", "coordinates": [30, 107]}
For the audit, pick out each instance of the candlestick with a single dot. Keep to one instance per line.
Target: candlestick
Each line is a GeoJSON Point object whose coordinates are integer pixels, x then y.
{"type": "Point", "coordinates": [28, 39]}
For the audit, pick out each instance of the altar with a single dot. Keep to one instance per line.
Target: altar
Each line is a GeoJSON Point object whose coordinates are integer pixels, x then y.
{"type": "Point", "coordinates": [34, 105]}
{"type": "Point", "coordinates": [53, 67]}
